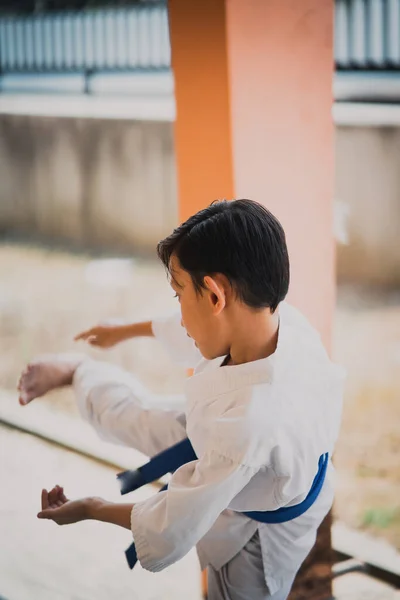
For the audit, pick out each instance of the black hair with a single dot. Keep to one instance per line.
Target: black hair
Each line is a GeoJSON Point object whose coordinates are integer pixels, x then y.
{"type": "Point", "coordinates": [240, 239]}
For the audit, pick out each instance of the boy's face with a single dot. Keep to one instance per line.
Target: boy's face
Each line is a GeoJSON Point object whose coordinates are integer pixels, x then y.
{"type": "Point", "coordinates": [202, 313]}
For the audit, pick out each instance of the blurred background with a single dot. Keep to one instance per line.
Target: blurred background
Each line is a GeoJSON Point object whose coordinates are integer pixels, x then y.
{"type": "Point", "coordinates": [88, 187]}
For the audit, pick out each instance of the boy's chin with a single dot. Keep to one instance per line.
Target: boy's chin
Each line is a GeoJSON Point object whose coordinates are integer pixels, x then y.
{"type": "Point", "coordinates": [209, 355]}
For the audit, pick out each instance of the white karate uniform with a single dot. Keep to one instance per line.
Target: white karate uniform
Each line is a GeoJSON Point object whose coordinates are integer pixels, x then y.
{"type": "Point", "coordinates": [258, 430]}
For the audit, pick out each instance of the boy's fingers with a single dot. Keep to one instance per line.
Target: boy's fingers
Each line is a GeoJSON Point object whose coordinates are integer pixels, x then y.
{"type": "Point", "coordinates": [62, 496]}
{"type": "Point", "coordinates": [45, 500]}
{"type": "Point", "coordinates": [45, 514]}
{"type": "Point", "coordinates": [53, 496]}
{"type": "Point", "coordinates": [88, 334]}
{"type": "Point", "coordinates": [58, 501]}
{"type": "Point", "coordinates": [82, 336]}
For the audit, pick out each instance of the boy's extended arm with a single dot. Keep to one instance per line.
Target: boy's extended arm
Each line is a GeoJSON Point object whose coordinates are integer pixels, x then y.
{"type": "Point", "coordinates": [167, 330]}
{"type": "Point", "coordinates": [167, 525]}
{"type": "Point", "coordinates": [123, 411]}
{"type": "Point", "coordinates": [108, 335]}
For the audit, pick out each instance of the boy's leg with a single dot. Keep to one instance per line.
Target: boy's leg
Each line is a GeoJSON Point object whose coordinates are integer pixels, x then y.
{"type": "Point", "coordinates": [112, 400]}
{"type": "Point", "coordinates": [242, 578]}
{"type": "Point", "coordinates": [123, 411]}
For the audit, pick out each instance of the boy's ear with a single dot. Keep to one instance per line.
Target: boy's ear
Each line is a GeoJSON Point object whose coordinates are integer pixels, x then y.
{"type": "Point", "coordinates": [217, 293]}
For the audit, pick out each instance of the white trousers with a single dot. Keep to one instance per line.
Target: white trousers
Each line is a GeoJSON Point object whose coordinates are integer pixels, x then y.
{"type": "Point", "coordinates": [242, 578]}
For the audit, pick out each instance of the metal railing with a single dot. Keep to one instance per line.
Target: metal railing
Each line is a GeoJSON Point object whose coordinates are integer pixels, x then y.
{"type": "Point", "coordinates": [367, 34]}
{"type": "Point", "coordinates": [131, 38]}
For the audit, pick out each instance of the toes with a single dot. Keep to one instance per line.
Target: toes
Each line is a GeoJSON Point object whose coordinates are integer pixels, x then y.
{"type": "Point", "coordinates": [26, 377]}
{"type": "Point", "coordinates": [27, 371]}
{"type": "Point", "coordinates": [26, 396]}
{"type": "Point", "coordinates": [21, 379]}
{"type": "Point", "coordinates": [23, 398]}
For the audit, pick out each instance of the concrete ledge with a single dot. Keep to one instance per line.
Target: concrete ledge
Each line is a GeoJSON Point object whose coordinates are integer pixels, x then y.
{"type": "Point", "coordinates": [360, 114]}
{"type": "Point", "coordinates": [141, 108]}
{"type": "Point", "coordinates": [161, 107]}
{"type": "Point", "coordinates": [69, 432]}
{"type": "Point", "coordinates": [381, 559]}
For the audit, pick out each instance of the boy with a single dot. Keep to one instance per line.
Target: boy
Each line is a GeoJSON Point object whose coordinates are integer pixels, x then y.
{"type": "Point", "coordinates": [262, 408]}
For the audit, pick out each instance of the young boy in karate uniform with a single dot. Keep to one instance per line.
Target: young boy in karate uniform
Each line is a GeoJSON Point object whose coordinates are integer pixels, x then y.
{"type": "Point", "coordinates": [264, 404]}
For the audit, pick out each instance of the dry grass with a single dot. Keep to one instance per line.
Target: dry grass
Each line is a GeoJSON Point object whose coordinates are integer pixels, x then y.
{"type": "Point", "coordinates": [367, 342]}
{"type": "Point", "coordinates": [46, 297]}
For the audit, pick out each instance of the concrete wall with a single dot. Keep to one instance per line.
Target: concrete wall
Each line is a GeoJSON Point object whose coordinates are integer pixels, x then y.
{"type": "Point", "coordinates": [111, 184]}
{"type": "Point", "coordinates": [368, 182]}
{"type": "Point", "coordinates": [88, 182]}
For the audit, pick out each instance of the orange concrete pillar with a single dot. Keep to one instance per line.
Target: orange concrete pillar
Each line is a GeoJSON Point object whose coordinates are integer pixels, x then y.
{"type": "Point", "coordinates": [253, 87]}
{"type": "Point", "coordinates": [203, 144]}
{"type": "Point", "coordinates": [281, 64]}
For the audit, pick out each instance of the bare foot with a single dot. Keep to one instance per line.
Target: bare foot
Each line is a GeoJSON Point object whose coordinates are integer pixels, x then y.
{"type": "Point", "coordinates": [47, 373]}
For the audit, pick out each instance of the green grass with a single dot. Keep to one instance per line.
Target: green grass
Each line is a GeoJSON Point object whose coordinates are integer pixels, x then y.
{"type": "Point", "coordinates": [381, 517]}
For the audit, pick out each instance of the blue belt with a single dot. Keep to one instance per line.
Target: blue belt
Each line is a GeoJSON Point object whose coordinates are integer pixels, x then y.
{"type": "Point", "coordinates": [171, 459]}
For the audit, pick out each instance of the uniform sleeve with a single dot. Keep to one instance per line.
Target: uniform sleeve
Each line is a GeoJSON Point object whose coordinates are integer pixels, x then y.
{"type": "Point", "coordinates": [167, 525]}
{"type": "Point", "coordinates": [123, 411]}
{"type": "Point", "coordinates": [181, 348]}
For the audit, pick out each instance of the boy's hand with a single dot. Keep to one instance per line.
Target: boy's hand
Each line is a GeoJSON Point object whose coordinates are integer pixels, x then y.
{"type": "Point", "coordinates": [56, 507]}
{"type": "Point", "coordinates": [103, 336]}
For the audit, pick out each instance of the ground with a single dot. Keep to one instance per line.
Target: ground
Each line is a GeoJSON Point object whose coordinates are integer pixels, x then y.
{"type": "Point", "coordinates": [41, 561]}
{"type": "Point", "coordinates": [46, 297]}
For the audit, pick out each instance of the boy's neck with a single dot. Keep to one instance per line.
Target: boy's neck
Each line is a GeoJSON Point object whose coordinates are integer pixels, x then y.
{"type": "Point", "coordinates": [255, 336]}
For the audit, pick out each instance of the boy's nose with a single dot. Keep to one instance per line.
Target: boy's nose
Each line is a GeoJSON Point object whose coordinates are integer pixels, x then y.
{"type": "Point", "coordinates": [183, 325]}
